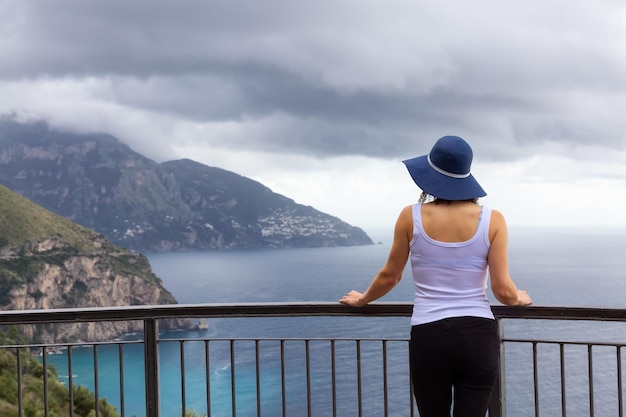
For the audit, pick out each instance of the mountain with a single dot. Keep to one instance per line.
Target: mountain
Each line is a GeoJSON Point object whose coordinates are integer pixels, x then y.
{"type": "Point", "coordinates": [102, 184]}
{"type": "Point", "coordinates": [47, 261]}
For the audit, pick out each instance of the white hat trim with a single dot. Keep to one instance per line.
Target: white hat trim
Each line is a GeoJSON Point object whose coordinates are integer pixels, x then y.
{"type": "Point", "coordinates": [444, 172]}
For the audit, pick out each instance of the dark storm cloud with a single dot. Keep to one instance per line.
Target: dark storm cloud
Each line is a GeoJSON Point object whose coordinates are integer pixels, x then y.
{"type": "Point", "coordinates": [137, 38]}
{"type": "Point", "coordinates": [340, 78]}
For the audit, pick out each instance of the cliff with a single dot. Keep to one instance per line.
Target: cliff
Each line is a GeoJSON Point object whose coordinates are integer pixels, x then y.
{"type": "Point", "coordinates": [49, 262]}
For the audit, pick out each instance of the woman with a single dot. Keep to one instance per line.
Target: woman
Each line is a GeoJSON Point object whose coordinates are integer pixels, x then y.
{"type": "Point", "coordinates": [453, 242]}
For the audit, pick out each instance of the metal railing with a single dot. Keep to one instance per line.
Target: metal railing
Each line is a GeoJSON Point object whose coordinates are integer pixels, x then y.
{"type": "Point", "coordinates": [362, 350]}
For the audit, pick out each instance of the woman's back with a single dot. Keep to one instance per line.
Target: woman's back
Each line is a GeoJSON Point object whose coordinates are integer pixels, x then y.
{"type": "Point", "coordinates": [450, 221]}
{"type": "Point", "coordinates": [449, 262]}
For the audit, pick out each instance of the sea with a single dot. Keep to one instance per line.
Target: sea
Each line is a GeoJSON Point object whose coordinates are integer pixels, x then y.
{"type": "Point", "coordinates": [576, 267]}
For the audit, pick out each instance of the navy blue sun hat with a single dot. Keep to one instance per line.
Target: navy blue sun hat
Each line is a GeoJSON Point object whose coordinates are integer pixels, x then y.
{"type": "Point", "coordinates": [445, 172]}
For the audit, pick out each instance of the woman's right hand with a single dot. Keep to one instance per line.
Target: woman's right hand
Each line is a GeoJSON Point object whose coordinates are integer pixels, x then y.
{"type": "Point", "coordinates": [353, 299]}
{"type": "Point", "coordinates": [523, 299]}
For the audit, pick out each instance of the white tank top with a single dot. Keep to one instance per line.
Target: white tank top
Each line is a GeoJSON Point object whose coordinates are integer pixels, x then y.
{"type": "Point", "coordinates": [450, 277]}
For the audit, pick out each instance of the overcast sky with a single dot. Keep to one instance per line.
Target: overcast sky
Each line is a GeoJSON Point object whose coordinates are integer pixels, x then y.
{"type": "Point", "coordinates": [321, 100]}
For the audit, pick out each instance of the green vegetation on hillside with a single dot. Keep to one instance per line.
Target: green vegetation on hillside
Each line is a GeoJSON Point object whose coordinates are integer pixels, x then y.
{"type": "Point", "coordinates": [22, 221]}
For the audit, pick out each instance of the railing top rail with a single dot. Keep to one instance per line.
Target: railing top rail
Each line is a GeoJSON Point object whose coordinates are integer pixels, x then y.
{"type": "Point", "coordinates": [393, 309]}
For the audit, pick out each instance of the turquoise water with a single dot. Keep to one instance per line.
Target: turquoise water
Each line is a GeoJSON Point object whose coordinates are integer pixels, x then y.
{"type": "Point", "coordinates": [563, 268]}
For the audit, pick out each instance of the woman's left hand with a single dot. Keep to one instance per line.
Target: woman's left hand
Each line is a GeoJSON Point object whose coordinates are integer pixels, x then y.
{"type": "Point", "coordinates": [353, 299]}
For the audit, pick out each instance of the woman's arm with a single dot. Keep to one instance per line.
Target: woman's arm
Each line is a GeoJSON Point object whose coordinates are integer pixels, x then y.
{"type": "Point", "coordinates": [391, 272]}
{"type": "Point", "coordinates": [502, 285]}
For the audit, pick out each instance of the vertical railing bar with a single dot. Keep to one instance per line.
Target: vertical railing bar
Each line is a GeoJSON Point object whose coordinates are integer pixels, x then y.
{"type": "Point", "coordinates": [233, 387]}
{"type": "Point", "coordinates": [207, 361]}
{"type": "Point", "coordinates": [497, 402]}
{"type": "Point", "coordinates": [18, 355]}
{"type": "Point", "coordinates": [333, 372]}
{"type": "Point", "coordinates": [70, 377]}
{"type": "Point", "coordinates": [282, 377]}
{"type": "Point", "coordinates": [95, 380]}
{"type": "Point", "coordinates": [411, 406]}
{"type": "Point", "coordinates": [44, 353]}
{"type": "Point", "coordinates": [258, 377]}
{"type": "Point", "coordinates": [183, 392]}
{"type": "Point", "coordinates": [120, 355]}
{"type": "Point", "coordinates": [307, 350]}
{"type": "Point", "coordinates": [590, 368]}
{"type": "Point", "coordinates": [358, 377]}
{"type": "Point", "coordinates": [385, 381]}
{"type": "Point", "coordinates": [151, 363]}
{"type": "Point", "coordinates": [620, 392]}
{"type": "Point", "coordinates": [536, 378]}
{"type": "Point", "coordinates": [562, 362]}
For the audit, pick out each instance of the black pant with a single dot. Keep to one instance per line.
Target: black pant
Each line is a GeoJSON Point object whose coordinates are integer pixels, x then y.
{"type": "Point", "coordinates": [460, 355]}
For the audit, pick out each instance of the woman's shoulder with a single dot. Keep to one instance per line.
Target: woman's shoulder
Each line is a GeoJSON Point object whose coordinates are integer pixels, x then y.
{"type": "Point", "coordinates": [405, 219]}
{"type": "Point", "coordinates": [497, 224]}
{"type": "Point", "coordinates": [407, 212]}
{"type": "Point", "coordinates": [496, 214]}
